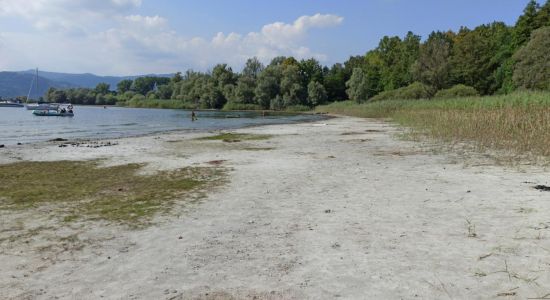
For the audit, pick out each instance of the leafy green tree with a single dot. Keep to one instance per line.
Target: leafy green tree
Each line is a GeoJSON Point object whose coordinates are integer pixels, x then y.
{"type": "Point", "coordinates": [124, 85]}
{"type": "Point", "coordinates": [532, 70]}
{"type": "Point", "coordinates": [433, 66]}
{"type": "Point", "coordinates": [177, 77]}
{"type": "Point", "coordinates": [477, 55]}
{"type": "Point", "coordinates": [526, 23]}
{"type": "Point", "coordinates": [102, 88]}
{"type": "Point", "coordinates": [211, 96]}
{"type": "Point", "coordinates": [268, 85]}
{"type": "Point", "coordinates": [335, 83]}
{"type": "Point", "coordinates": [252, 68]}
{"type": "Point", "coordinates": [310, 70]}
{"type": "Point", "coordinates": [316, 93]}
{"type": "Point", "coordinates": [245, 90]}
{"type": "Point", "coordinates": [357, 86]}
{"type": "Point", "coordinates": [291, 88]}
{"type": "Point", "coordinates": [164, 91]}
{"type": "Point", "coordinates": [543, 16]}
{"type": "Point", "coordinates": [222, 75]}
{"type": "Point", "coordinates": [373, 73]}
{"type": "Point", "coordinates": [143, 85]}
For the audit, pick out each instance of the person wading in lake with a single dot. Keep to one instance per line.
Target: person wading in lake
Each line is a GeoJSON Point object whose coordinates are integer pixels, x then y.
{"type": "Point", "coordinates": [193, 116]}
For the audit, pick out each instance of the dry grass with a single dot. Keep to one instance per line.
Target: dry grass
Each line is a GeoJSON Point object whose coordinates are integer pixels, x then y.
{"type": "Point", "coordinates": [519, 122]}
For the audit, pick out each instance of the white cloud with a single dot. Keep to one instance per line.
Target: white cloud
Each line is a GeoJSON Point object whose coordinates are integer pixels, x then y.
{"type": "Point", "coordinates": [110, 39]}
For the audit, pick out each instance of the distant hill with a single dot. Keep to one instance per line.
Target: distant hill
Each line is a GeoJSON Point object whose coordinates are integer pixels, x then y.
{"type": "Point", "coordinates": [88, 80]}
{"type": "Point", "coordinates": [13, 84]}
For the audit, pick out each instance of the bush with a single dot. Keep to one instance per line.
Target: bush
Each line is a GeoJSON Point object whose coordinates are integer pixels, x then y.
{"type": "Point", "coordinates": [295, 108]}
{"type": "Point", "coordinates": [241, 106]}
{"type": "Point", "coordinates": [457, 91]}
{"type": "Point", "coordinates": [415, 90]}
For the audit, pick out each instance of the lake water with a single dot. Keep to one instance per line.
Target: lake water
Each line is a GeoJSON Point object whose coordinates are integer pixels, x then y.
{"type": "Point", "coordinates": [18, 125]}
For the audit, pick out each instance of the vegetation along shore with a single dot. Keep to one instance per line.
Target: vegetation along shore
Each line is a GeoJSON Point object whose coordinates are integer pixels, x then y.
{"type": "Point", "coordinates": [486, 84]}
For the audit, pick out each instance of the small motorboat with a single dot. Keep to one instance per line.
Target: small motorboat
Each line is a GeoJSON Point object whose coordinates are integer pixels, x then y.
{"type": "Point", "coordinates": [59, 112]}
{"type": "Point", "coordinates": [42, 106]}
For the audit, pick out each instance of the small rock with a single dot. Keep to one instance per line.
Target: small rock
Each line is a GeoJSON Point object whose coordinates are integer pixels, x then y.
{"type": "Point", "coordinates": [180, 237]}
{"type": "Point", "coordinates": [108, 257]}
{"type": "Point", "coordinates": [19, 144]}
{"type": "Point", "coordinates": [328, 211]}
{"type": "Point", "coordinates": [1, 145]}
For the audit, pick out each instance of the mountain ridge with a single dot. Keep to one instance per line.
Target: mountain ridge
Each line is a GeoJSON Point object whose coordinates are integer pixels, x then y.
{"type": "Point", "coordinates": [17, 83]}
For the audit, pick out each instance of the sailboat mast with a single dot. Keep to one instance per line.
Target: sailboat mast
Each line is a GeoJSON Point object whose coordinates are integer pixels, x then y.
{"type": "Point", "coordinates": [37, 92]}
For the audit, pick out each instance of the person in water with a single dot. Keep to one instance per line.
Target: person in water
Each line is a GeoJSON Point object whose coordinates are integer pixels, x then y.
{"type": "Point", "coordinates": [193, 116]}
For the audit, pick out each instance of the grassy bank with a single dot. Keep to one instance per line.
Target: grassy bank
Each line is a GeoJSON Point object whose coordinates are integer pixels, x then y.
{"type": "Point", "coordinates": [73, 190]}
{"type": "Point", "coordinates": [519, 122]}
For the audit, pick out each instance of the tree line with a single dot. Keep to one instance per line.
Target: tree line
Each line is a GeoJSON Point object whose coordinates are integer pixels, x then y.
{"type": "Point", "coordinates": [489, 59]}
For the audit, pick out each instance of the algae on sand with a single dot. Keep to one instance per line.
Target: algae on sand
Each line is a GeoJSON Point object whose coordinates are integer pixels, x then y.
{"type": "Point", "coordinates": [236, 137]}
{"type": "Point", "coordinates": [83, 190]}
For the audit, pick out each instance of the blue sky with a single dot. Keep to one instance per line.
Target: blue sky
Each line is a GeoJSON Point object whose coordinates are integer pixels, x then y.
{"type": "Point", "coordinates": [121, 37]}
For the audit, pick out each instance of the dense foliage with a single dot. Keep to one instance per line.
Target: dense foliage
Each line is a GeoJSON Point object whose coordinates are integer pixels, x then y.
{"type": "Point", "coordinates": [489, 59]}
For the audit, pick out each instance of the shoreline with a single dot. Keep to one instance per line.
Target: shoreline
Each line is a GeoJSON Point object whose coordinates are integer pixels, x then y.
{"type": "Point", "coordinates": [325, 209]}
{"type": "Point", "coordinates": [168, 131]}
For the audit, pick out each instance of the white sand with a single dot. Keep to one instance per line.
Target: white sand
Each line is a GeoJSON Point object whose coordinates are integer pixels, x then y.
{"type": "Point", "coordinates": [323, 215]}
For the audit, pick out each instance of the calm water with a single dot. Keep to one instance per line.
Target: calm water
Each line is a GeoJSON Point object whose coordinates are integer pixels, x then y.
{"type": "Point", "coordinates": [18, 125]}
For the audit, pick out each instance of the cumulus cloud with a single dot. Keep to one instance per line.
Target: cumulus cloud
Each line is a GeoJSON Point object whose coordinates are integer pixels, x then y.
{"type": "Point", "coordinates": [111, 39]}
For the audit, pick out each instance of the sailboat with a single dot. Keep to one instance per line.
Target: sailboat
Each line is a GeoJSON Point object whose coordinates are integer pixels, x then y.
{"type": "Point", "coordinates": [38, 105]}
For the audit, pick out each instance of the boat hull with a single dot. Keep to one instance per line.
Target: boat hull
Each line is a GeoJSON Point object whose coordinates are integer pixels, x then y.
{"type": "Point", "coordinates": [11, 105]}
{"type": "Point", "coordinates": [42, 106]}
{"type": "Point", "coordinates": [52, 113]}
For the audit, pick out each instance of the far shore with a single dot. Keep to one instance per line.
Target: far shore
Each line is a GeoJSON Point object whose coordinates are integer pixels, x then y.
{"type": "Point", "coordinates": [337, 208]}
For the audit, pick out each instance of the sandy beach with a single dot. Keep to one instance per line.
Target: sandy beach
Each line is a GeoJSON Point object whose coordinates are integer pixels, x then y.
{"type": "Point", "coordinates": [340, 208]}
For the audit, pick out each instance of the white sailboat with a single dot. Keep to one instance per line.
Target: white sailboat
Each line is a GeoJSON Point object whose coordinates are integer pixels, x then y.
{"type": "Point", "coordinates": [38, 105]}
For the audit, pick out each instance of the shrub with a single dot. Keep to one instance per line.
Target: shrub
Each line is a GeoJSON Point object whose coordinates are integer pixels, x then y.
{"type": "Point", "coordinates": [295, 108]}
{"type": "Point", "coordinates": [415, 90]}
{"type": "Point", "coordinates": [241, 106]}
{"type": "Point", "coordinates": [457, 91]}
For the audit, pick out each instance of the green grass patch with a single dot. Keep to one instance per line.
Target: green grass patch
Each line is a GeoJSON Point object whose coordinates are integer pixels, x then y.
{"type": "Point", "coordinates": [82, 190]}
{"type": "Point", "coordinates": [236, 137]}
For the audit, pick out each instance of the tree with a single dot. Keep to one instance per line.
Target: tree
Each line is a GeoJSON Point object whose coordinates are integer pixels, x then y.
{"type": "Point", "coordinates": [244, 92]}
{"type": "Point", "coordinates": [357, 86]}
{"type": "Point", "coordinates": [477, 55]}
{"type": "Point", "coordinates": [124, 85]}
{"type": "Point", "coordinates": [335, 83]}
{"type": "Point", "coordinates": [316, 93]}
{"type": "Point", "coordinates": [145, 84]}
{"type": "Point", "coordinates": [532, 70]}
{"type": "Point", "coordinates": [164, 91]}
{"type": "Point", "coordinates": [291, 88]}
{"type": "Point", "coordinates": [177, 77]}
{"type": "Point", "coordinates": [310, 70]}
{"type": "Point", "coordinates": [433, 65]}
{"type": "Point", "coordinates": [267, 85]}
{"type": "Point", "coordinates": [222, 75]}
{"type": "Point", "coordinates": [102, 88]}
{"type": "Point", "coordinates": [526, 23]}
{"type": "Point", "coordinates": [252, 68]}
